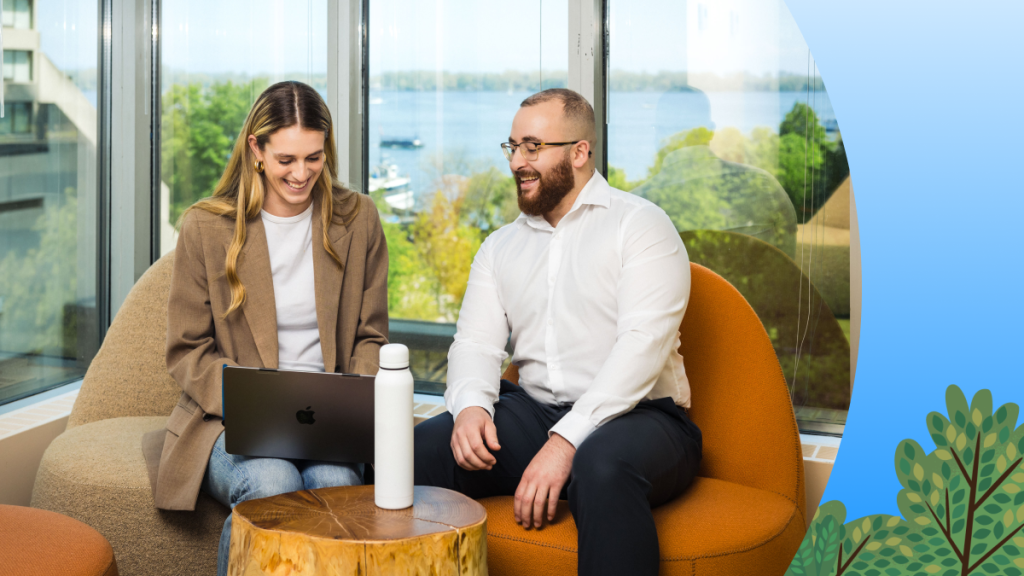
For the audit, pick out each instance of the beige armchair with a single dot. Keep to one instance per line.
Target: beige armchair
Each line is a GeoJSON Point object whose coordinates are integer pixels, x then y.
{"type": "Point", "coordinates": [95, 471]}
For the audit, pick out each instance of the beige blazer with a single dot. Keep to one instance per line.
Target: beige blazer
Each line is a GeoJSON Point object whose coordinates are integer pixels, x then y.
{"type": "Point", "coordinates": [351, 311]}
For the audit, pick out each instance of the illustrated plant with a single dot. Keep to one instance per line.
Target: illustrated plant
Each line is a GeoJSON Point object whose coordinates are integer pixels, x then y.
{"type": "Point", "coordinates": [833, 548]}
{"type": "Point", "coordinates": [969, 487]}
{"type": "Point", "coordinates": [962, 504]}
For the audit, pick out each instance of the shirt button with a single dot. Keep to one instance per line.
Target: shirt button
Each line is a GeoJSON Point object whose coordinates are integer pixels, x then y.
{"type": "Point", "coordinates": [551, 321]}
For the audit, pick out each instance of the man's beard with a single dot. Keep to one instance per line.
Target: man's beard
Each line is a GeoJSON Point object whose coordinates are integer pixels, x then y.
{"type": "Point", "coordinates": [551, 188]}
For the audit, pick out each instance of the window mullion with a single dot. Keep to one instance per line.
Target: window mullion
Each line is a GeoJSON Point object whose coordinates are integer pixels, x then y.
{"type": "Point", "coordinates": [588, 65]}
{"type": "Point", "coordinates": [346, 88]}
{"type": "Point", "coordinates": [131, 219]}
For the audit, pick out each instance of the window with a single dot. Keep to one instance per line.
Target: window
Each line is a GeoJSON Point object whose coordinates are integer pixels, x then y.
{"type": "Point", "coordinates": [17, 118]}
{"type": "Point", "coordinates": [17, 66]}
{"type": "Point", "coordinates": [217, 57]}
{"type": "Point", "coordinates": [717, 114]}
{"type": "Point", "coordinates": [48, 260]}
{"type": "Point", "coordinates": [446, 78]}
{"type": "Point", "coordinates": [18, 14]}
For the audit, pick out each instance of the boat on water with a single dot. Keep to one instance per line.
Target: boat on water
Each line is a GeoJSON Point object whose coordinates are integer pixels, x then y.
{"type": "Point", "coordinates": [395, 188]}
{"type": "Point", "coordinates": [407, 143]}
{"type": "Point", "coordinates": [385, 177]}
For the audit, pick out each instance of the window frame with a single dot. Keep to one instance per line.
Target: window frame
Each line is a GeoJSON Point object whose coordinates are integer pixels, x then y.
{"type": "Point", "coordinates": [129, 212]}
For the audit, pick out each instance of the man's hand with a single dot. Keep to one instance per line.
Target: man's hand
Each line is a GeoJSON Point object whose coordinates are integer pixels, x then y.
{"type": "Point", "coordinates": [472, 428]}
{"type": "Point", "coordinates": [542, 482]}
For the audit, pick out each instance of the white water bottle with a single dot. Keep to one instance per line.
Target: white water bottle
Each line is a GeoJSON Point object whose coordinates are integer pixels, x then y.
{"type": "Point", "coordinates": [392, 429]}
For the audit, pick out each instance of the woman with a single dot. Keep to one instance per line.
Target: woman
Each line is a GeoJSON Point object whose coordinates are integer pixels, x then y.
{"type": "Point", "coordinates": [243, 294]}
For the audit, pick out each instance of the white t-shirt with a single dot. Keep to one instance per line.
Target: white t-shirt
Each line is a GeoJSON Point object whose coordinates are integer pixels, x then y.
{"type": "Point", "coordinates": [290, 242]}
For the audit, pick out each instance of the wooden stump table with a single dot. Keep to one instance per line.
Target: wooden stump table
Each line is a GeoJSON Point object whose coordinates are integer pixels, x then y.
{"type": "Point", "coordinates": [341, 532]}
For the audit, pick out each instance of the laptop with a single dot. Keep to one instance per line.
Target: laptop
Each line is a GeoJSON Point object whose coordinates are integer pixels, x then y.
{"type": "Point", "coordinates": [298, 415]}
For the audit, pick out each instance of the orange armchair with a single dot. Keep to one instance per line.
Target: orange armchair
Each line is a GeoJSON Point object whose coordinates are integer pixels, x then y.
{"type": "Point", "coordinates": [744, 513]}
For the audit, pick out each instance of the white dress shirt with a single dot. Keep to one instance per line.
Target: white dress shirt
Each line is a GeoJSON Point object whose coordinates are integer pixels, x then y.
{"type": "Point", "coordinates": [290, 242]}
{"type": "Point", "coordinates": [593, 307]}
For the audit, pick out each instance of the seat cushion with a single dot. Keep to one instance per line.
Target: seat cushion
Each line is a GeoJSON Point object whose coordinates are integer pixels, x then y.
{"type": "Point", "coordinates": [96, 473]}
{"type": "Point", "coordinates": [41, 542]}
{"type": "Point", "coordinates": [715, 527]}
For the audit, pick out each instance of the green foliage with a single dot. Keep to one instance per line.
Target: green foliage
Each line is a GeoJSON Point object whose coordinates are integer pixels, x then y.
{"type": "Point", "coordinates": [446, 247]}
{"type": "Point", "coordinates": [700, 191]}
{"type": "Point", "coordinates": [699, 136]}
{"type": "Point", "coordinates": [802, 121]}
{"type": "Point", "coordinates": [810, 166]}
{"type": "Point", "coordinates": [199, 128]}
{"type": "Point", "coordinates": [963, 502]}
{"type": "Point", "coordinates": [766, 278]}
{"type": "Point", "coordinates": [617, 179]}
{"type": "Point", "coordinates": [968, 486]}
{"type": "Point", "coordinates": [831, 548]}
{"type": "Point", "coordinates": [432, 255]}
{"type": "Point", "coordinates": [39, 286]}
{"type": "Point", "coordinates": [489, 201]}
{"type": "Point", "coordinates": [411, 290]}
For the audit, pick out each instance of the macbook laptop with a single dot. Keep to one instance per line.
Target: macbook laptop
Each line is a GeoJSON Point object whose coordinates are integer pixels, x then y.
{"type": "Point", "coordinates": [298, 415]}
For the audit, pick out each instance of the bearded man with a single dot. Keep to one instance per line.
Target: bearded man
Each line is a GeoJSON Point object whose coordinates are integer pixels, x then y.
{"type": "Point", "coordinates": [591, 283]}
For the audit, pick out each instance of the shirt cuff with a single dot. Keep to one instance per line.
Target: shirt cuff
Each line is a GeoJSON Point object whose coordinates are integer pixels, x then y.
{"type": "Point", "coordinates": [573, 427]}
{"type": "Point", "coordinates": [468, 399]}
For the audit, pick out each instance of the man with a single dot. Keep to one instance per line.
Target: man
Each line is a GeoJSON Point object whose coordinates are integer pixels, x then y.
{"type": "Point", "coordinates": [592, 283]}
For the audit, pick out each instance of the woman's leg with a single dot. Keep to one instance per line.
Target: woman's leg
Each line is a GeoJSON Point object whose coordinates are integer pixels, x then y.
{"type": "Point", "coordinates": [231, 479]}
{"type": "Point", "coordinates": [317, 474]}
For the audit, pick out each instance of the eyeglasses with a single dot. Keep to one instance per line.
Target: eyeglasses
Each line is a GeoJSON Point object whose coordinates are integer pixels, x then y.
{"type": "Point", "coordinates": [529, 150]}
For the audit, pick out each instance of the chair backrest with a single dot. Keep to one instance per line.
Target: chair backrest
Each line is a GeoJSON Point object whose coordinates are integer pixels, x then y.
{"type": "Point", "coordinates": [128, 376]}
{"type": "Point", "coordinates": [739, 395]}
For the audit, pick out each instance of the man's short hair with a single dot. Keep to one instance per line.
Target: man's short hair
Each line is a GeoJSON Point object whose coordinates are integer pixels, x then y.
{"type": "Point", "coordinates": [577, 111]}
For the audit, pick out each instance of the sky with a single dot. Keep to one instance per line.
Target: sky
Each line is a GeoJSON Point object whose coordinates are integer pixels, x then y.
{"type": "Point", "coordinates": [68, 31]}
{"type": "Point", "coordinates": [268, 37]}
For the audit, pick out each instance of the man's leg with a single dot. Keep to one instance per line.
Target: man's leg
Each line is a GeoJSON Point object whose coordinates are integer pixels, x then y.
{"type": "Point", "coordinates": [635, 462]}
{"type": "Point", "coordinates": [522, 424]}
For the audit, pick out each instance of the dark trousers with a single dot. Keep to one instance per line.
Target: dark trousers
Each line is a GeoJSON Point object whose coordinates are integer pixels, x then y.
{"type": "Point", "coordinates": [630, 465]}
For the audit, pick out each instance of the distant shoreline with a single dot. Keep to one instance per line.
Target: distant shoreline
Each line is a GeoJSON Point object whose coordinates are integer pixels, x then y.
{"type": "Point", "coordinates": [520, 81]}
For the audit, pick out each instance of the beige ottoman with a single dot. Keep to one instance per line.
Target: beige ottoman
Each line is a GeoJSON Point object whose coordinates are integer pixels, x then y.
{"type": "Point", "coordinates": [96, 473]}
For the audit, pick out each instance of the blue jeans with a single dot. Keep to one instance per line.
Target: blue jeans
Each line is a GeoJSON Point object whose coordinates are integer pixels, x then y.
{"type": "Point", "coordinates": [231, 479]}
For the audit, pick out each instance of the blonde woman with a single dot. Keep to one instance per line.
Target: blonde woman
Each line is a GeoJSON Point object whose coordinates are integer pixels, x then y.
{"type": "Point", "coordinates": [281, 268]}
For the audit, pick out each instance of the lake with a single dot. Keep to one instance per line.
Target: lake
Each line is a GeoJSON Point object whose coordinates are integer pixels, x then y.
{"type": "Point", "coordinates": [463, 130]}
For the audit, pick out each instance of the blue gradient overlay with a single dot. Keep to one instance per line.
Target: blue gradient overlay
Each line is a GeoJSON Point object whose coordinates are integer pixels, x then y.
{"type": "Point", "coordinates": [929, 95]}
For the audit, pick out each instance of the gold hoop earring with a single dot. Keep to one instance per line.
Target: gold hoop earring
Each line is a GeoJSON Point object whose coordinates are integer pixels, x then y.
{"type": "Point", "coordinates": [259, 166]}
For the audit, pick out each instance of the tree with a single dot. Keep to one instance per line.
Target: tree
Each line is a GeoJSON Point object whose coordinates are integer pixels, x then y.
{"type": "Point", "coordinates": [970, 484]}
{"type": "Point", "coordinates": [489, 201]}
{"type": "Point", "coordinates": [199, 129]}
{"type": "Point", "coordinates": [803, 121]}
{"type": "Point", "coordinates": [799, 173]}
{"type": "Point", "coordinates": [447, 247]}
{"type": "Point", "coordinates": [810, 166]}
{"type": "Point", "coordinates": [411, 290]}
{"type": "Point", "coordinates": [38, 287]}
{"type": "Point", "coordinates": [833, 548]}
{"type": "Point", "coordinates": [963, 502]}
{"type": "Point", "coordinates": [617, 179]}
{"type": "Point", "coordinates": [699, 136]}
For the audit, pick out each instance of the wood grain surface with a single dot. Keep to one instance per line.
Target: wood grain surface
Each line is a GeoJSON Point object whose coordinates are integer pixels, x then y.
{"type": "Point", "coordinates": [340, 531]}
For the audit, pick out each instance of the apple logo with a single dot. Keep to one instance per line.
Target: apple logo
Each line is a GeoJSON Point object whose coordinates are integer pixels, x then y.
{"type": "Point", "coordinates": [305, 416]}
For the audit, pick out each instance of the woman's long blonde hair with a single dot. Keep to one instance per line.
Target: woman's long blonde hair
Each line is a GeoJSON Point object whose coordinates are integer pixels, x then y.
{"type": "Point", "coordinates": [241, 190]}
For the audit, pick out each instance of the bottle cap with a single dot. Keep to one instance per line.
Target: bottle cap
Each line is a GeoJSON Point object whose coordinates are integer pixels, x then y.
{"type": "Point", "coordinates": [394, 356]}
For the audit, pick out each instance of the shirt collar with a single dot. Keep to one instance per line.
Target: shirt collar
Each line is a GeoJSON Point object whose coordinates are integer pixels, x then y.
{"type": "Point", "coordinates": [596, 192]}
